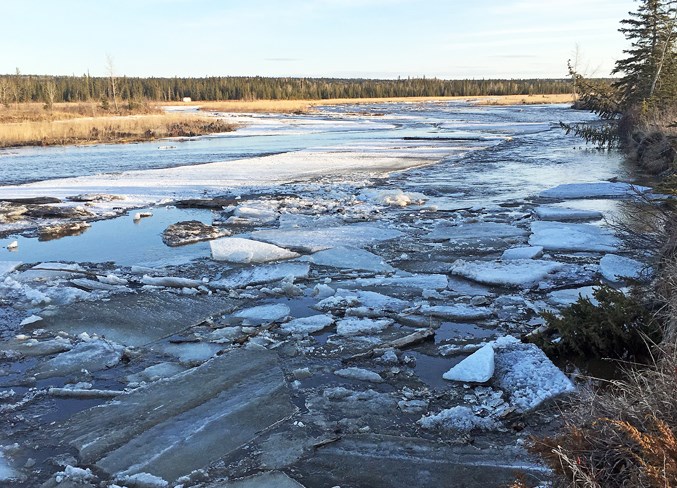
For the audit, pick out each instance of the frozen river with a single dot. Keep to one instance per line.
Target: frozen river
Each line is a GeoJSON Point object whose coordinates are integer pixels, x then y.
{"type": "Point", "coordinates": [313, 300]}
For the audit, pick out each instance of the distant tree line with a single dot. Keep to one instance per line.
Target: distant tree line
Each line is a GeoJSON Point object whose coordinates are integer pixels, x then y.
{"type": "Point", "coordinates": [17, 88]}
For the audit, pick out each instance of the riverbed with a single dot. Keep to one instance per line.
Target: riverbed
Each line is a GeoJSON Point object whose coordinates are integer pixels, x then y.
{"type": "Point", "coordinates": [334, 298]}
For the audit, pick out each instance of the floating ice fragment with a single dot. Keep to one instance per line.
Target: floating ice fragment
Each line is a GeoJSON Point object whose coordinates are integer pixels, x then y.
{"type": "Point", "coordinates": [518, 273]}
{"type": "Point", "coordinates": [476, 368]}
{"type": "Point", "coordinates": [349, 258]}
{"type": "Point", "coordinates": [546, 212]}
{"type": "Point", "coordinates": [308, 325]}
{"type": "Point", "coordinates": [417, 281]}
{"type": "Point", "coordinates": [92, 355]}
{"type": "Point", "coordinates": [394, 198]}
{"type": "Point", "coordinates": [355, 326]}
{"type": "Point", "coordinates": [313, 240]}
{"type": "Point", "coordinates": [617, 268]}
{"type": "Point", "coordinates": [263, 313]}
{"type": "Point", "coordinates": [556, 236]}
{"type": "Point", "coordinates": [460, 418]}
{"type": "Point", "coordinates": [457, 312]}
{"type": "Point", "coordinates": [263, 274]}
{"type": "Point", "coordinates": [6, 267]}
{"type": "Point", "coordinates": [171, 282]}
{"type": "Point", "coordinates": [238, 250]}
{"type": "Point", "coordinates": [30, 320]}
{"type": "Point", "coordinates": [602, 189]}
{"type": "Point", "coordinates": [564, 298]}
{"type": "Point", "coordinates": [529, 252]}
{"type": "Point", "coordinates": [359, 374]}
{"type": "Point", "coordinates": [474, 231]}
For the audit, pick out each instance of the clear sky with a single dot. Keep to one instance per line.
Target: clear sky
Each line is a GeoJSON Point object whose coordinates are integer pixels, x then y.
{"type": "Point", "coordinates": [332, 38]}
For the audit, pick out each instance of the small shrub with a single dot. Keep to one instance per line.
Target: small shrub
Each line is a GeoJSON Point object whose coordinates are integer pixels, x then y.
{"type": "Point", "coordinates": [618, 326]}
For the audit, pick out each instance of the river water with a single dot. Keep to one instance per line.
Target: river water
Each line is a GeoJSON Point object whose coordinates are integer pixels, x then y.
{"type": "Point", "coordinates": [376, 247]}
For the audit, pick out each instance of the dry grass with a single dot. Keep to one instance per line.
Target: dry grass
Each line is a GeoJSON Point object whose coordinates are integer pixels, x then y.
{"type": "Point", "coordinates": [302, 106]}
{"type": "Point", "coordinates": [36, 112]}
{"type": "Point", "coordinates": [88, 130]}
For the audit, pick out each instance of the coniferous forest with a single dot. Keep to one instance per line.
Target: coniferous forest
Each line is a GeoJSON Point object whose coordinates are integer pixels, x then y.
{"type": "Point", "coordinates": [17, 88]}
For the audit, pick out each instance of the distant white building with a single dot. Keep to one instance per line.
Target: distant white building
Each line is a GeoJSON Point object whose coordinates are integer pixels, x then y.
{"type": "Point", "coordinates": [187, 99]}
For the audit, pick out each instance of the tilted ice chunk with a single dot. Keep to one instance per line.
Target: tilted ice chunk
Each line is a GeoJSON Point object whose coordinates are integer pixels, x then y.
{"type": "Point", "coordinates": [257, 213]}
{"type": "Point", "coordinates": [6, 267]}
{"type": "Point", "coordinates": [47, 271]}
{"type": "Point", "coordinates": [156, 372]}
{"type": "Point", "coordinates": [601, 189]}
{"type": "Point", "coordinates": [171, 282]}
{"type": "Point", "coordinates": [238, 250]}
{"type": "Point", "coordinates": [354, 326]}
{"type": "Point", "coordinates": [474, 230]}
{"type": "Point", "coordinates": [557, 236]}
{"type": "Point", "coordinates": [313, 240]}
{"type": "Point", "coordinates": [308, 325]}
{"type": "Point", "coordinates": [263, 480]}
{"type": "Point", "coordinates": [476, 368]}
{"type": "Point", "coordinates": [519, 273]}
{"type": "Point", "coordinates": [92, 355]}
{"type": "Point", "coordinates": [142, 480]}
{"type": "Point", "coordinates": [526, 374]}
{"type": "Point", "coordinates": [359, 374]}
{"type": "Point", "coordinates": [546, 212]}
{"type": "Point", "coordinates": [263, 313]}
{"type": "Point", "coordinates": [461, 419]}
{"type": "Point", "coordinates": [457, 312]}
{"type": "Point", "coordinates": [617, 268]}
{"type": "Point", "coordinates": [263, 274]}
{"type": "Point", "coordinates": [529, 252]}
{"type": "Point", "coordinates": [395, 198]}
{"type": "Point", "coordinates": [349, 258]}
{"type": "Point", "coordinates": [34, 347]}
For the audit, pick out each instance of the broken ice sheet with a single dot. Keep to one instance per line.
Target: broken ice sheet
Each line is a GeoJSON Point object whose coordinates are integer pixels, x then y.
{"type": "Point", "coordinates": [518, 273]}
{"type": "Point", "coordinates": [313, 240]}
{"type": "Point", "coordinates": [617, 268]}
{"type": "Point", "coordinates": [349, 258]}
{"type": "Point", "coordinates": [263, 274]}
{"type": "Point", "coordinates": [262, 314]}
{"type": "Point", "coordinates": [447, 231]}
{"type": "Point", "coordinates": [557, 236]}
{"type": "Point", "coordinates": [177, 425]}
{"type": "Point", "coordinates": [308, 325]}
{"type": "Point", "coordinates": [601, 189]}
{"type": "Point", "coordinates": [92, 355]}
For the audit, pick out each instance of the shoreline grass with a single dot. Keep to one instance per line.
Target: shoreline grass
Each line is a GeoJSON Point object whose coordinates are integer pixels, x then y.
{"type": "Point", "coordinates": [110, 129]}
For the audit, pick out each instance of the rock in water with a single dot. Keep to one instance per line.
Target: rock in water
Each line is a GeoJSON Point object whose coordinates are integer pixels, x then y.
{"type": "Point", "coordinates": [476, 368]}
{"type": "Point", "coordinates": [190, 231]}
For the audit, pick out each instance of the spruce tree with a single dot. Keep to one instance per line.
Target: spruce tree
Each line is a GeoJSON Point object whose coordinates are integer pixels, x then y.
{"type": "Point", "coordinates": [649, 67]}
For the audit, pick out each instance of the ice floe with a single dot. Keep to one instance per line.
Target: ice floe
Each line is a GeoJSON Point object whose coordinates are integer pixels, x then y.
{"type": "Point", "coordinates": [547, 212]}
{"type": "Point", "coordinates": [263, 274]}
{"type": "Point", "coordinates": [518, 273]}
{"type": "Point", "coordinates": [394, 198]}
{"type": "Point", "coordinates": [313, 240]}
{"type": "Point", "coordinates": [350, 258]}
{"type": "Point", "coordinates": [528, 252]}
{"type": "Point", "coordinates": [557, 236]}
{"type": "Point", "coordinates": [359, 374]}
{"type": "Point", "coordinates": [263, 313]}
{"type": "Point", "coordinates": [616, 268]}
{"type": "Point", "coordinates": [308, 325]}
{"type": "Point", "coordinates": [239, 250]}
{"type": "Point", "coordinates": [90, 355]}
{"type": "Point", "coordinates": [601, 189]}
{"type": "Point", "coordinates": [456, 312]}
{"type": "Point", "coordinates": [358, 326]}
{"type": "Point", "coordinates": [459, 418]}
{"type": "Point", "coordinates": [478, 230]}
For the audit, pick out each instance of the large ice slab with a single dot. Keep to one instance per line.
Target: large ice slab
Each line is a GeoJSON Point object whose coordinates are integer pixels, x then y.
{"type": "Point", "coordinates": [474, 231]}
{"type": "Point", "coordinates": [308, 325]}
{"type": "Point", "coordinates": [349, 258]}
{"type": "Point", "coordinates": [416, 281]}
{"type": "Point", "coordinates": [557, 236]}
{"type": "Point", "coordinates": [517, 273]}
{"type": "Point", "coordinates": [617, 268]}
{"type": "Point", "coordinates": [238, 250]}
{"type": "Point", "coordinates": [527, 375]}
{"type": "Point", "coordinates": [528, 252]}
{"type": "Point", "coordinates": [313, 240]}
{"type": "Point", "coordinates": [263, 313]}
{"type": "Point", "coordinates": [92, 355]}
{"type": "Point", "coordinates": [388, 461]}
{"type": "Point", "coordinates": [601, 189]}
{"type": "Point", "coordinates": [377, 302]}
{"type": "Point", "coordinates": [457, 312]}
{"type": "Point", "coordinates": [185, 422]}
{"type": "Point", "coordinates": [134, 320]}
{"type": "Point", "coordinates": [263, 274]}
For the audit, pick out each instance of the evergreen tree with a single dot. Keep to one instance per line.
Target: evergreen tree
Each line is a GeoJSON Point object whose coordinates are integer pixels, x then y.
{"type": "Point", "coordinates": [649, 68]}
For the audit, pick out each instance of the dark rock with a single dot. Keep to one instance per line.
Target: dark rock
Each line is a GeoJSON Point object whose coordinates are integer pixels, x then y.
{"type": "Point", "coordinates": [191, 231]}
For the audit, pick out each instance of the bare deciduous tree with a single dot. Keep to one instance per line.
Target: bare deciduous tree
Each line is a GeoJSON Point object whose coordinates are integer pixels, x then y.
{"type": "Point", "coordinates": [50, 93]}
{"type": "Point", "coordinates": [110, 69]}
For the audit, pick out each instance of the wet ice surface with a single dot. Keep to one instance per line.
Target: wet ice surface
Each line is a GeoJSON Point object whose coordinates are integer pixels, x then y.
{"type": "Point", "coordinates": [379, 248]}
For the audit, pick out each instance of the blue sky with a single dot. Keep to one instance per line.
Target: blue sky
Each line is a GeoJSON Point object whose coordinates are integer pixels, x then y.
{"type": "Point", "coordinates": [333, 38]}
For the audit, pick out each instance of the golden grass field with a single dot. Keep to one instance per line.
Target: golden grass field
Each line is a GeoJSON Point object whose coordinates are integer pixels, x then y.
{"type": "Point", "coordinates": [30, 124]}
{"type": "Point", "coordinates": [291, 106]}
